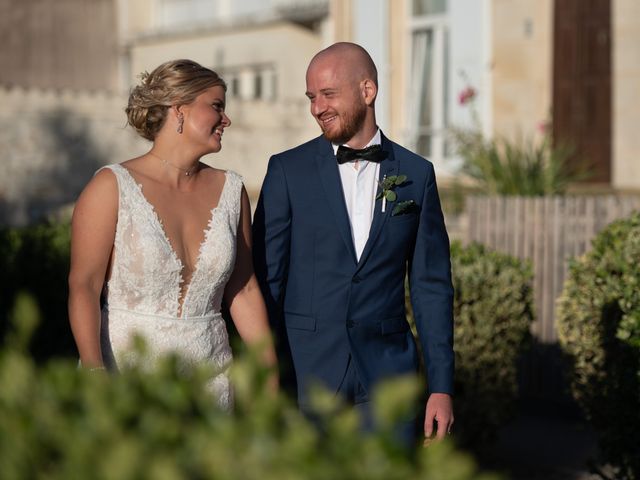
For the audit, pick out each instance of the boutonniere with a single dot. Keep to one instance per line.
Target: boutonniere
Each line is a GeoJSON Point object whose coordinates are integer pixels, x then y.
{"type": "Point", "coordinates": [387, 193]}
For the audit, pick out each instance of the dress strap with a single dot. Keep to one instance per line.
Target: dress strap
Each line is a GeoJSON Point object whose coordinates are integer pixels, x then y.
{"type": "Point", "coordinates": [232, 196]}
{"type": "Point", "coordinates": [126, 183]}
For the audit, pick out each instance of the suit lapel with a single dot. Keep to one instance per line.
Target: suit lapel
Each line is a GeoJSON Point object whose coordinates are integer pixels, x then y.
{"type": "Point", "coordinates": [388, 167]}
{"type": "Point", "coordinates": [330, 179]}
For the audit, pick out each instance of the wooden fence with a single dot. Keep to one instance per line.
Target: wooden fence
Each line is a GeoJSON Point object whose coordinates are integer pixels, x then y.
{"type": "Point", "coordinates": [548, 231]}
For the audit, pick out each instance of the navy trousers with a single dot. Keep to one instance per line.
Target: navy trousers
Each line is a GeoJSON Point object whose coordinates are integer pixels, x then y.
{"type": "Point", "coordinates": [353, 393]}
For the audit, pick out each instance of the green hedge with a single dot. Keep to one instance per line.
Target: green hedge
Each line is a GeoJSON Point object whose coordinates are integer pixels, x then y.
{"type": "Point", "coordinates": [35, 260]}
{"type": "Point", "coordinates": [58, 422]}
{"type": "Point", "coordinates": [599, 328]}
{"type": "Point", "coordinates": [493, 311]}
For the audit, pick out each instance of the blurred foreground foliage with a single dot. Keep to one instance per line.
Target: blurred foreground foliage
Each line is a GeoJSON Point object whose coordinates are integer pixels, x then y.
{"type": "Point", "coordinates": [61, 422]}
{"type": "Point", "coordinates": [599, 328]}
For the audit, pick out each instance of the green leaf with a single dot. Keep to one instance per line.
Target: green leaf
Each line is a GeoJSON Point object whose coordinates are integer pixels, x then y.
{"type": "Point", "coordinates": [400, 179]}
{"type": "Point", "coordinates": [390, 196]}
{"type": "Point", "coordinates": [387, 183]}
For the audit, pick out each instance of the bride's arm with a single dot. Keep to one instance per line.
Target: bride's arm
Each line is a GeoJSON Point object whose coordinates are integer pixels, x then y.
{"type": "Point", "coordinates": [92, 235]}
{"type": "Point", "coordinates": [243, 295]}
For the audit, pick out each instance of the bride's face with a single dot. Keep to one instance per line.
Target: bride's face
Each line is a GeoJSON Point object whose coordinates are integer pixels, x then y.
{"type": "Point", "coordinates": [205, 119]}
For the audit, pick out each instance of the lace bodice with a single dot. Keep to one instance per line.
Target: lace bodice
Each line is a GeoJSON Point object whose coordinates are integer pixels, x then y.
{"type": "Point", "coordinates": [144, 294]}
{"type": "Point", "coordinates": [146, 274]}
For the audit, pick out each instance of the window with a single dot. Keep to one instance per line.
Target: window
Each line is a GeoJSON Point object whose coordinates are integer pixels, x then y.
{"type": "Point", "coordinates": [235, 86]}
{"type": "Point", "coordinates": [265, 83]}
{"type": "Point", "coordinates": [257, 85]}
{"type": "Point", "coordinates": [251, 82]}
{"type": "Point", "coordinates": [429, 78]}
{"type": "Point", "coordinates": [268, 80]}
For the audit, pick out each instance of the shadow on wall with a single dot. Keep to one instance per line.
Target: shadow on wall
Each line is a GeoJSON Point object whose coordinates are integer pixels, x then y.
{"type": "Point", "coordinates": [69, 157]}
{"type": "Point", "coordinates": [4, 210]}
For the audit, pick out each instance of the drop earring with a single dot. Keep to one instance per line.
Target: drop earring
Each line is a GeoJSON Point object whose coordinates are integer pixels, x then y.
{"type": "Point", "coordinates": [180, 122]}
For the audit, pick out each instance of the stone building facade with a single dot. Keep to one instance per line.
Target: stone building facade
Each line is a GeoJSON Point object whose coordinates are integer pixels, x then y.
{"type": "Point", "coordinates": [68, 65]}
{"type": "Point", "coordinates": [73, 62]}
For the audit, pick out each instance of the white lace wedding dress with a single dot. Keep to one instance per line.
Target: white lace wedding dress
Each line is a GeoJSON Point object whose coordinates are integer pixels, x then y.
{"type": "Point", "coordinates": [143, 295]}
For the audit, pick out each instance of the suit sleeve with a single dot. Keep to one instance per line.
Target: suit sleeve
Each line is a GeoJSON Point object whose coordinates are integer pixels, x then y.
{"type": "Point", "coordinates": [432, 291]}
{"type": "Point", "coordinates": [271, 239]}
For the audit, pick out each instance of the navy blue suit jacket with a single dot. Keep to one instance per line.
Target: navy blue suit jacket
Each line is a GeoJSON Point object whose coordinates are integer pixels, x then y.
{"type": "Point", "coordinates": [323, 304]}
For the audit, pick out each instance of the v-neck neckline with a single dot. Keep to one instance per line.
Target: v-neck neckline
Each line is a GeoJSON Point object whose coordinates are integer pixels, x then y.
{"type": "Point", "coordinates": [159, 224]}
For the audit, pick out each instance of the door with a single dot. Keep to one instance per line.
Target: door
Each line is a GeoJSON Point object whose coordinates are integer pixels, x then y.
{"type": "Point", "coordinates": [582, 83]}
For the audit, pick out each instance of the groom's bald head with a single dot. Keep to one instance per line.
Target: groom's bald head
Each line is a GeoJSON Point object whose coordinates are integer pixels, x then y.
{"type": "Point", "coordinates": [350, 59]}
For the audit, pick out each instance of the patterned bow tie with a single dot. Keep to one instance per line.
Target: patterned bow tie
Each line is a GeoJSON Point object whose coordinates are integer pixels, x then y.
{"type": "Point", "coordinates": [373, 153]}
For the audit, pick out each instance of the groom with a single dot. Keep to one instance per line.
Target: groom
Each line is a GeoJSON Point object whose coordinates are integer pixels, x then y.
{"type": "Point", "coordinates": [340, 222]}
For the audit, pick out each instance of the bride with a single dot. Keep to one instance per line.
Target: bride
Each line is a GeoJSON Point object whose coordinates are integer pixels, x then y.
{"type": "Point", "coordinates": [165, 238]}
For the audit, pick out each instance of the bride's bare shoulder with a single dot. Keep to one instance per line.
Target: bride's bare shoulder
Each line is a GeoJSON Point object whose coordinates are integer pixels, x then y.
{"type": "Point", "coordinates": [104, 180]}
{"type": "Point", "coordinates": [101, 192]}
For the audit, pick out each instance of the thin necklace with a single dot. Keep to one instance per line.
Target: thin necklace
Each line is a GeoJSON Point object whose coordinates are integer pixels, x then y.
{"type": "Point", "coordinates": [187, 171]}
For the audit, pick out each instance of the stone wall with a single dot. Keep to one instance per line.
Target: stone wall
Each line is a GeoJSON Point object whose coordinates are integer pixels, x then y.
{"type": "Point", "coordinates": [59, 44]}
{"type": "Point", "coordinates": [522, 36]}
{"type": "Point", "coordinates": [626, 94]}
{"type": "Point", "coordinates": [52, 142]}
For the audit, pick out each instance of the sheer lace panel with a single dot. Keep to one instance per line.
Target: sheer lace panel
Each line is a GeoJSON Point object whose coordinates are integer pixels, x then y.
{"type": "Point", "coordinates": [146, 272]}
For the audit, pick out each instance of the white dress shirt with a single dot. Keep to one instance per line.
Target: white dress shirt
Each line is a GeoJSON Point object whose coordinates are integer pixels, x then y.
{"type": "Point", "coordinates": [360, 184]}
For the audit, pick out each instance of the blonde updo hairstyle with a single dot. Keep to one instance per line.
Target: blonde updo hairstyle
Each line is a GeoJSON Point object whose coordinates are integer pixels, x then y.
{"type": "Point", "coordinates": [177, 82]}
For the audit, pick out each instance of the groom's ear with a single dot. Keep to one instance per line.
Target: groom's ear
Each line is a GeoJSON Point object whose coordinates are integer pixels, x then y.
{"type": "Point", "coordinates": [369, 91]}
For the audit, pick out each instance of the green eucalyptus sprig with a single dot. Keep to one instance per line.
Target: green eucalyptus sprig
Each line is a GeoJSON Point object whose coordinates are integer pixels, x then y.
{"type": "Point", "coordinates": [387, 185]}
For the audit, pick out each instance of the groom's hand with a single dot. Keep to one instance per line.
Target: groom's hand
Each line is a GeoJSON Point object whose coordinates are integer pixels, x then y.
{"type": "Point", "coordinates": [440, 409]}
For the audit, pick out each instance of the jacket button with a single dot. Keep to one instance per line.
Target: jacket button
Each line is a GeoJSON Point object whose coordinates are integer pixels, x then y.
{"type": "Point", "coordinates": [356, 279]}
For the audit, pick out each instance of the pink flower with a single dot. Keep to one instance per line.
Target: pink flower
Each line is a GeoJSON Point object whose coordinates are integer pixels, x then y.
{"type": "Point", "coordinates": [466, 95]}
{"type": "Point", "coordinates": [543, 127]}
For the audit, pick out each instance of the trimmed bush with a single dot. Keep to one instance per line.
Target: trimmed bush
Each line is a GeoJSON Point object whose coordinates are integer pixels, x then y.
{"type": "Point", "coordinates": [599, 328]}
{"type": "Point", "coordinates": [493, 311]}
